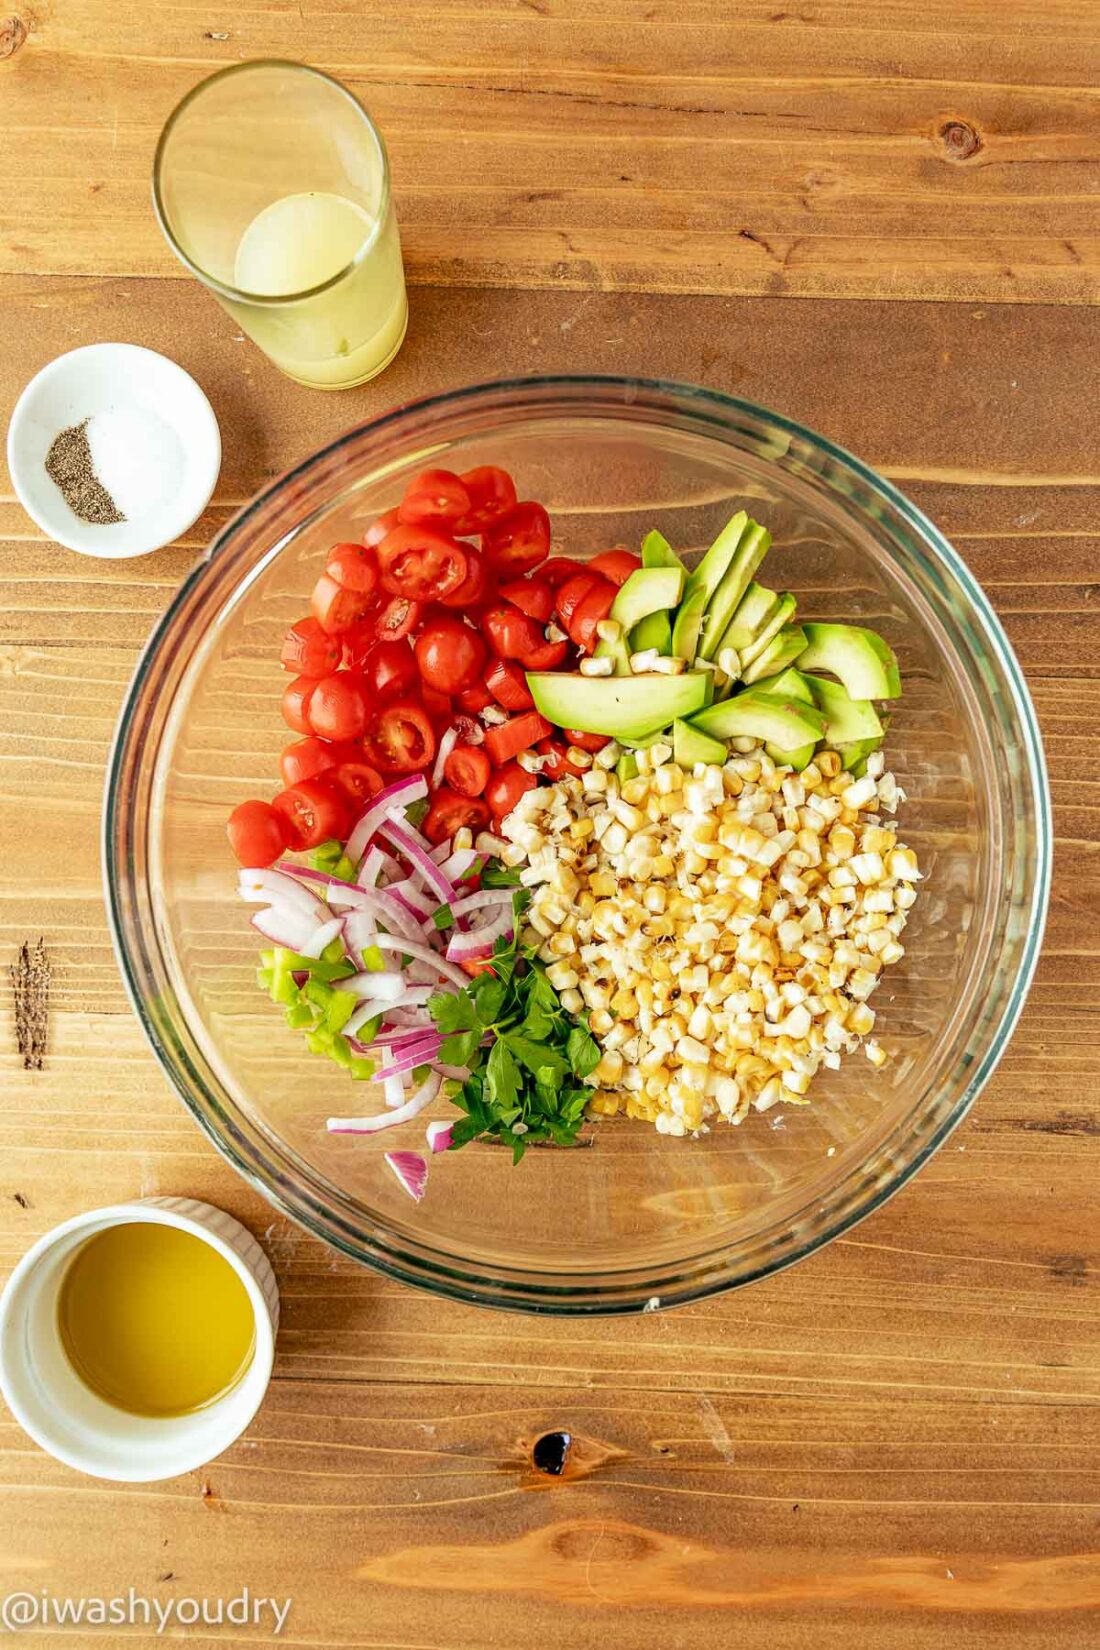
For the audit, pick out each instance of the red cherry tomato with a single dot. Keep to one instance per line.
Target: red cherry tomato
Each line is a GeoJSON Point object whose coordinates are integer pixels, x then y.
{"type": "Point", "coordinates": [532, 596]}
{"type": "Point", "coordinates": [450, 812]}
{"type": "Point", "coordinates": [505, 788]}
{"type": "Point", "coordinates": [296, 703]}
{"type": "Point", "coordinates": [519, 540]}
{"type": "Point", "coordinates": [437, 498]}
{"type": "Point", "coordinates": [400, 617]}
{"type": "Point", "coordinates": [389, 672]}
{"type": "Point", "coordinates": [571, 594]}
{"type": "Point", "coordinates": [257, 834]}
{"type": "Point", "coordinates": [378, 531]}
{"type": "Point", "coordinates": [518, 734]}
{"type": "Point", "coordinates": [595, 606]}
{"type": "Point", "coordinates": [358, 781]}
{"type": "Point", "coordinates": [421, 564]}
{"type": "Point", "coordinates": [586, 741]}
{"type": "Point", "coordinates": [547, 657]}
{"type": "Point", "coordinates": [616, 565]}
{"type": "Point", "coordinates": [305, 759]}
{"type": "Point", "coordinates": [492, 495]}
{"type": "Point", "coordinates": [557, 763]}
{"type": "Point", "coordinates": [313, 812]}
{"type": "Point", "coordinates": [354, 567]}
{"type": "Point", "coordinates": [510, 633]}
{"type": "Point", "coordinates": [339, 707]}
{"type": "Point", "coordinates": [449, 655]}
{"type": "Point", "coordinates": [508, 685]}
{"type": "Point", "coordinates": [467, 770]}
{"type": "Point", "coordinates": [474, 588]}
{"type": "Point", "coordinates": [402, 739]}
{"type": "Point", "coordinates": [558, 569]}
{"type": "Point", "coordinates": [473, 699]}
{"type": "Point", "coordinates": [468, 728]}
{"type": "Point", "coordinates": [336, 609]}
{"type": "Point", "coordinates": [438, 706]}
{"type": "Point", "coordinates": [308, 651]}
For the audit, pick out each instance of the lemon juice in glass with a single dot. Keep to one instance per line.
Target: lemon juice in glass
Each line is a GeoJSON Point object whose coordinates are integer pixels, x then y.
{"type": "Point", "coordinates": [272, 185]}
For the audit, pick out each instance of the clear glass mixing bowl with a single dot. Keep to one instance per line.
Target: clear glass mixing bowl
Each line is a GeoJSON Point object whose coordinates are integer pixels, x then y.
{"type": "Point", "coordinates": [636, 1218]}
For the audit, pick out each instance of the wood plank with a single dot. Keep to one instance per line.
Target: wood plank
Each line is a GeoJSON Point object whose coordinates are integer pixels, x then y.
{"type": "Point", "coordinates": [765, 150]}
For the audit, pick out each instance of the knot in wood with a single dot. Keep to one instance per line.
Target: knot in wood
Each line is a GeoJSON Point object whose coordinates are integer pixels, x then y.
{"type": "Point", "coordinates": [960, 140]}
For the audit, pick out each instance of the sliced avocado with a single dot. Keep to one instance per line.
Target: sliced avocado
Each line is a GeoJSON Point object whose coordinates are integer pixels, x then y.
{"type": "Point", "coordinates": [750, 616]}
{"type": "Point", "coordinates": [726, 600]}
{"type": "Point", "coordinates": [688, 623]}
{"type": "Point", "coordinates": [797, 759]}
{"type": "Point", "coordinates": [854, 755]}
{"type": "Point", "coordinates": [621, 707]}
{"type": "Point", "coordinates": [655, 630]}
{"type": "Point", "coordinates": [644, 742]}
{"type": "Point", "coordinates": [781, 651]}
{"type": "Point", "coordinates": [789, 684]}
{"type": "Point", "coordinates": [846, 720]}
{"type": "Point", "coordinates": [626, 767]}
{"type": "Point", "coordinates": [691, 745]}
{"type": "Point", "coordinates": [658, 552]}
{"type": "Point", "coordinates": [787, 723]}
{"type": "Point", "coordinates": [651, 590]}
{"type": "Point", "coordinates": [776, 620]}
{"type": "Point", "coordinates": [714, 565]}
{"type": "Point", "coordinates": [861, 659]}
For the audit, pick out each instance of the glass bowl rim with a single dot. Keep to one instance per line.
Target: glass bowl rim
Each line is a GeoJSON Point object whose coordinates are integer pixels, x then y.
{"type": "Point", "coordinates": [439, 1277]}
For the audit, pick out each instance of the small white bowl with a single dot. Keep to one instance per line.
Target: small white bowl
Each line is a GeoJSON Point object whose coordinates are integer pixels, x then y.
{"type": "Point", "coordinates": [113, 378]}
{"type": "Point", "coordinates": [52, 1403]}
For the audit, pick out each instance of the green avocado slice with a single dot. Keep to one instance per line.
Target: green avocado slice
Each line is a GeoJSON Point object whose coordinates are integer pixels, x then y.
{"type": "Point", "coordinates": [862, 660]}
{"type": "Point", "coordinates": [691, 745]}
{"type": "Point", "coordinates": [726, 600]}
{"type": "Point", "coordinates": [787, 723]}
{"type": "Point", "coordinates": [781, 651]}
{"type": "Point", "coordinates": [621, 707]}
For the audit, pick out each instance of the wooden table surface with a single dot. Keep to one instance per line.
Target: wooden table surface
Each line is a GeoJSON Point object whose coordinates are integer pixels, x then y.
{"type": "Point", "coordinates": [884, 221]}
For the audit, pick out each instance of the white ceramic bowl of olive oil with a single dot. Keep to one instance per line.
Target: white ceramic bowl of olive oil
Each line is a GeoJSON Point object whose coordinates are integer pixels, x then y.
{"type": "Point", "coordinates": [137, 1341]}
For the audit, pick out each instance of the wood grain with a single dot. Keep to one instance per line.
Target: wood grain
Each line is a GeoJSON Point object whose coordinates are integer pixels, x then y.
{"type": "Point", "coordinates": [898, 1439]}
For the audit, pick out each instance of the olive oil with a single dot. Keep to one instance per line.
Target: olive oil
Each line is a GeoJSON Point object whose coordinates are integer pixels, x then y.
{"type": "Point", "coordinates": [154, 1320]}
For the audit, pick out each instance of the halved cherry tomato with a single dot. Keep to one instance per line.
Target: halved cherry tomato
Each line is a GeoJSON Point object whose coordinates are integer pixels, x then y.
{"type": "Point", "coordinates": [378, 531]}
{"type": "Point", "coordinates": [436, 498]}
{"type": "Point", "coordinates": [401, 739]}
{"type": "Point", "coordinates": [336, 609]}
{"type": "Point", "coordinates": [558, 569]}
{"type": "Point", "coordinates": [519, 540]}
{"type": "Point", "coordinates": [400, 617]}
{"type": "Point", "coordinates": [389, 672]}
{"type": "Point", "coordinates": [354, 566]}
{"type": "Point", "coordinates": [595, 606]}
{"type": "Point", "coordinates": [421, 563]}
{"type": "Point", "coordinates": [506, 787]}
{"type": "Point", "coordinates": [313, 812]}
{"type": "Point", "coordinates": [437, 705]}
{"type": "Point", "coordinates": [532, 596]}
{"type": "Point", "coordinates": [296, 703]}
{"type": "Point", "coordinates": [467, 770]}
{"type": "Point", "coordinates": [257, 833]}
{"type": "Point", "coordinates": [586, 741]}
{"type": "Point", "coordinates": [557, 762]}
{"type": "Point", "coordinates": [339, 707]}
{"type": "Point", "coordinates": [616, 565]}
{"type": "Point", "coordinates": [519, 733]}
{"type": "Point", "coordinates": [508, 685]}
{"type": "Point", "coordinates": [449, 655]}
{"type": "Point", "coordinates": [468, 728]}
{"type": "Point", "coordinates": [475, 698]}
{"type": "Point", "coordinates": [492, 494]}
{"type": "Point", "coordinates": [358, 781]}
{"type": "Point", "coordinates": [571, 594]}
{"type": "Point", "coordinates": [547, 657]}
{"type": "Point", "coordinates": [450, 812]}
{"type": "Point", "coordinates": [305, 759]}
{"type": "Point", "coordinates": [510, 633]}
{"type": "Point", "coordinates": [476, 585]}
{"type": "Point", "coordinates": [308, 651]}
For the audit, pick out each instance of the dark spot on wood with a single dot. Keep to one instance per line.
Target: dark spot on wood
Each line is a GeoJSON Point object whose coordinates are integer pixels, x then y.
{"type": "Point", "coordinates": [757, 240]}
{"type": "Point", "coordinates": [551, 1452]}
{"type": "Point", "coordinates": [215, 34]}
{"type": "Point", "coordinates": [96, 187]}
{"type": "Point", "coordinates": [796, 1507]}
{"type": "Point", "coordinates": [30, 983]}
{"type": "Point", "coordinates": [1061, 1122]}
{"type": "Point", "coordinates": [167, 1575]}
{"type": "Point", "coordinates": [961, 141]}
{"type": "Point", "coordinates": [23, 1201]}
{"type": "Point", "coordinates": [13, 33]}
{"type": "Point", "coordinates": [1069, 1268]}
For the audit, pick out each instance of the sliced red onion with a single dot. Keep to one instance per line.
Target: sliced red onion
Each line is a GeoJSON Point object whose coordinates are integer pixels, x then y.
{"type": "Point", "coordinates": [284, 926]}
{"type": "Point", "coordinates": [324, 936]}
{"type": "Point", "coordinates": [479, 942]}
{"type": "Point", "coordinates": [447, 743]}
{"type": "Point", "coordinates": [408, 1060]}
{"type": "Point", "coordinates": [411, 1170]}
{"type": "Point", "coordinates": [439, 1134]}
{"type": "Point", "coordinates": [371, 868]}
{"type": "Point", "coordinates": [485, 896]}
{"type": "Point", "coordinates": [460, 862]}
{"type": "Point", "coordinates": [399, 837]}
{"type": "Point", "coordinates": [414, 997]}
{"type": "Point", "coordinates": [458, 1073]}
{"type": "Point", "coordinates": [421, 1097]}
{"type": "Point", "coordinates": [277, 887]}
{"type": "Point", "coordinates": [384, 987]}
{"type": "Point", "coordinates": [379, 904]}
{"type": "Point", "coordinates": [394, 799]}
{"type": "Point", "coordinates": [401, 1038]}
{"type": "Point", "coordinates": [416, 901]}
{"type": "Point", "coordinates": [423, 953]}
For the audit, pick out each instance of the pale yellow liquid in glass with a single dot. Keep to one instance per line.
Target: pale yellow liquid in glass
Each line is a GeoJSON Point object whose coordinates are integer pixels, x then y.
{"type": "Point", "coordinates": [347, 333]}
{"type": "Point", "coordinates": [154, 1320]}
